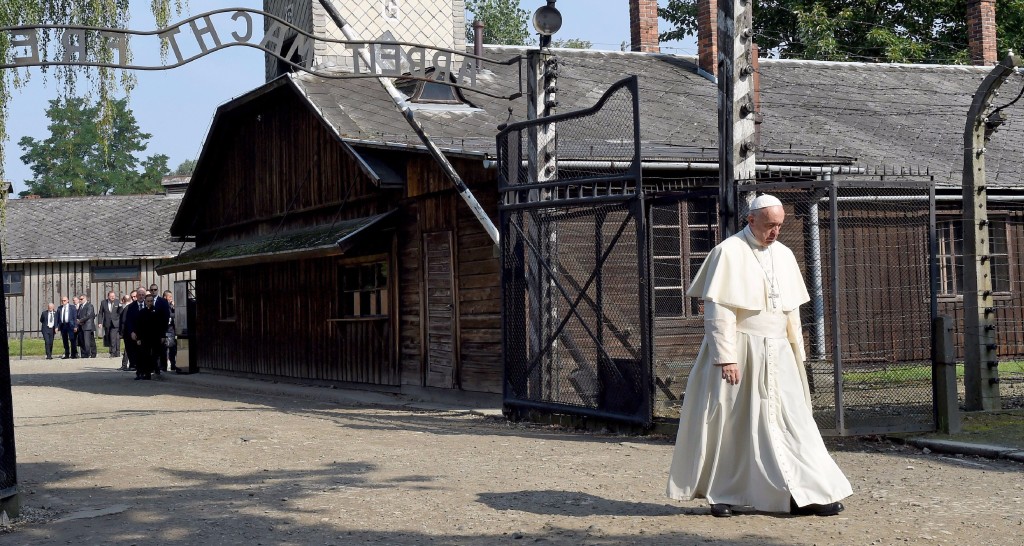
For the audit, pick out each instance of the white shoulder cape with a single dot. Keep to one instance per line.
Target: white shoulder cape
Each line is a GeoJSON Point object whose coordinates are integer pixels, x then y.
{"type": "Point", "coordinates": [725, 277]}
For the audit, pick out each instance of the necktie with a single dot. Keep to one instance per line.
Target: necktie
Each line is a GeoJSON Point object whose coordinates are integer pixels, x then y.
{"type": "Point", "coordinates": [64, 317]}
{"type": "Point", "coordinates": [49, 319]}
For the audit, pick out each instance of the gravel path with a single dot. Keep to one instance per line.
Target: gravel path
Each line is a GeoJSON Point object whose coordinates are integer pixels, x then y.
{"type": "Point", "coordinates": [201, 460]}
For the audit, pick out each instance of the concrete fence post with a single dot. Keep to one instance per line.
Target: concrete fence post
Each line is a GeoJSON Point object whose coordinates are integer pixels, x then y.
{"type": "Point", "coordinates": [947, 409]}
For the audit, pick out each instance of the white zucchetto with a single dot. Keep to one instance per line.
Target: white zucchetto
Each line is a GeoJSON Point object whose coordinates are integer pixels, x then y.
{"type": "Point", "coordinates": [763, 201]}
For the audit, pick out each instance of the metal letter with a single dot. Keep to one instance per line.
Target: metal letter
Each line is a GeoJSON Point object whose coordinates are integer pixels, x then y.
{"type": "Point", "coordinates": [273, 38]}
{"type": "Point", "coordinates": [169, 36]}
{"type": "Point", "coordinates": [468, 68]}
{"type": "Point", "coordinates": [208, 29]}
{"type": "Point", "coordinates": [73, 48]}
{"type": "Point", "coordinates": [442, 72]}
{"type": "Point", "coordinates": [28, 39]}
{"type": "Point", "coordinates": [418, 67]}
{"type": "Point", "coordinates": [354, 48]}
{"type": "Point", "coordinates": [303, 45]}
{"type": "Point", "coordinates": [120, 43]}
{"type": "Point", "coordinates": [391, 53]}
{"type": "Point", "coordinates": [248, 27]}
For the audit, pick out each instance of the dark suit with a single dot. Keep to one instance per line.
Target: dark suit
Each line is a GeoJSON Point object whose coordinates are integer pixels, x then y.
{"type": "Point", "coordinates": [128, 325]}
{"type": "Point", "coordinates": [110, 320]}
{"type": "Point", "coordinates": [87, 329]}
{"type": "Point", "coordinates": [48, 331]}
{"type": "Point", "coordinates": [149, 328]}
{"type": "Point", "coordinates": [67, 329]}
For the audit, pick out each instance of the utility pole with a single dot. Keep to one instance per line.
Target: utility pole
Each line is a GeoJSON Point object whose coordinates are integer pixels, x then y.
{"type": "Point", "coordinates": [981, 359]}
{"type": "Point", "coordinates": [736, 157]}
{"type": "Point", "coordinates": [541, 87]}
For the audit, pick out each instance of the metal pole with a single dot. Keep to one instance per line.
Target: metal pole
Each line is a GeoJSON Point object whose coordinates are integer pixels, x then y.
{"type": "Point", "coordinates": [981, 366]}
{"type": "Point", "coordinates": [735, 108]}
{"type": "Point", "coordinates": [410, 117]}
{"type": "Point", "coordinates": [814, 266]}
{"type": "Point", "coordinates": [837, 331]}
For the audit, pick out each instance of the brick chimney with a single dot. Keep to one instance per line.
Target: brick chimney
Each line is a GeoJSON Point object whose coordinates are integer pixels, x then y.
{"type": "Point", "coordinates": [981, 31]}
{"type": "Point", "coordinates": [643, 26]}
{"type": "Point", "coordinates": [707, 36]}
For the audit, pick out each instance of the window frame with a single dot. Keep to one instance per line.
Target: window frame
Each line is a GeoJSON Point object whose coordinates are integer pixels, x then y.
{"type": "Point", "coordinates": [949, 233]}
{"type": "Point", "coordinates": [376, 297]}
{"type": "Point", "coordinates": [8, 282]}
{"type": "Point", "coordinates": [98, 274]}
{"type": "Point", "coordinates": [689, 259]}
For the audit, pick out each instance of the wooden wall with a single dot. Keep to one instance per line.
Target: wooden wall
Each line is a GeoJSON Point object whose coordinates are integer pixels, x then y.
{"type": "Point", "coordinates": [47, 282]}
{"type": "Point", "coordinates": [434, 209]}
{"type": "Point", "coordinates": [288, 324]}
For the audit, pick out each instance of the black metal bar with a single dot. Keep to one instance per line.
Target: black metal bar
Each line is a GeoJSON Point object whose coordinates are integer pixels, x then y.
{"type": "Point", "coordinates": [520, 125]}
{"type": "Point", "coordinates": [837, 346]}
{"type": "Point", "coordinates": [555, 407]}
{"type": "Point", "coordinates": [573, 201]}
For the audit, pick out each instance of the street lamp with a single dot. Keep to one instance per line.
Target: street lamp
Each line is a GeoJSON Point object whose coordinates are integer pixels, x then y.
{"type": "Point", "coordinates": [547, 20]}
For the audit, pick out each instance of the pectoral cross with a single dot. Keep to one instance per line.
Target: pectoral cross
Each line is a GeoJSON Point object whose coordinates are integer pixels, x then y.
{"type": "Point", "coordinates": [774, 295]}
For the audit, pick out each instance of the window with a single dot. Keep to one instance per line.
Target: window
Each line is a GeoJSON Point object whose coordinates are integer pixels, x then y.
{"type": "Point", "coordinates": [364, 290]}
{"type": "Point", "coordinates": [14, 283]}
{"type": "Point", "coordinates": [116, 273]}
{"type": "Point", "coordinates": [227, 298]}
{"type": "Point", "coordinates": [951, 256]}
{"type": "Point", "coordinates": [682, 235]}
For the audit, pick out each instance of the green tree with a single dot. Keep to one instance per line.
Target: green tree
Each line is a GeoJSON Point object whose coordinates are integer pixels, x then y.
{"type": "Point", "coordinates": [79, 159]}
{"type": "Point", "coordinates": [102, 82]}
{"type": "Point", "coordinates": [186, 168]}
{"type": "Point", "coordinates": [908, 31]}
{"type": "Point", "coordinates": [504, 21]}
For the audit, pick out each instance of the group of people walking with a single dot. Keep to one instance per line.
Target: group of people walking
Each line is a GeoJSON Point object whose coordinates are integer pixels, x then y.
{"type": "Point", "coordinates": [143, 319]}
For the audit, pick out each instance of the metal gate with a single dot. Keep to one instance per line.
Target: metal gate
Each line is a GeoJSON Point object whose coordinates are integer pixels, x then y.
{"type": "Point", "coordinates": [576, 327]}
{"type": "Point", "coordinates": [868, 253]}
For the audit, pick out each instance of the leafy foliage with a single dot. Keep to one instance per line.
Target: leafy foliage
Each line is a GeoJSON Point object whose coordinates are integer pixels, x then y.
{"type": "Point", "coordinates": [504, 22]}
{"type": "Point", "coordinates": [572, 43]}
{"type": "Point", "coordinates": [77, 160]}
{"type": "Point", "coordinates": [185, 168]}
{"type": "Point", "coordinates": [906, 31]}
{"type": "Point", "coordinates": [102, 82]}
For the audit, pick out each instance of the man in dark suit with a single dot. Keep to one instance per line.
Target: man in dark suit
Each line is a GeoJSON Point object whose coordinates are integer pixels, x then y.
{"type": "Point", "coordinates": [128, 325]}
{"type": "Point", "coordinates": [86, 327]}
{"type": "Point", "coordinates": [48, 327]}
{"type": "Point", "coordinates": [67, 319]}
{"type": "Point", "coordinates": [109, 322]}
{"type": "Point", "coordinates": [163, 309]}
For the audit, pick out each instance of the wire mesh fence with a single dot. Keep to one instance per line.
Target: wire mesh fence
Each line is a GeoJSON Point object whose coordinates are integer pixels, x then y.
{"type": "Point", "coordinates": [864, 248]}
{"type": "Point", "coordinates": [1006, 232]}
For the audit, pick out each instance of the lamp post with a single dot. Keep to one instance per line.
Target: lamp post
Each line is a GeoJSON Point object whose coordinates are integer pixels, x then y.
{"type": "Point", "coordinates": [542, 72]}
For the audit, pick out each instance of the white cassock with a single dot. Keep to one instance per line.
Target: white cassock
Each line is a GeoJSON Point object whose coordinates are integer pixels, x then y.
{"type": "Point", "coordinates": [753, 444]}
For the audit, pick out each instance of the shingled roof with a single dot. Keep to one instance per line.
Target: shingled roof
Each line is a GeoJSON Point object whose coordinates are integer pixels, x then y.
{"type": "Point", "coordinates": [885, 116]}
{"type": "Point", "coordinates": [108, 227]}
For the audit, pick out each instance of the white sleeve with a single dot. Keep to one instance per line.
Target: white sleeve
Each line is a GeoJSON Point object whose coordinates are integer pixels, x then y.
{"type": "Point", "coordinates": [720, 332]}
{"type": "Point", "coordinates": [795, 333]}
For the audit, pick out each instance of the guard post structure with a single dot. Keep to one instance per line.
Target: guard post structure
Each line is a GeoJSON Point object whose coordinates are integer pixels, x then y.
{"type": "Point", "coordinates": [981, 362]}
{"type": "Point", "coordinates": [736, 150]}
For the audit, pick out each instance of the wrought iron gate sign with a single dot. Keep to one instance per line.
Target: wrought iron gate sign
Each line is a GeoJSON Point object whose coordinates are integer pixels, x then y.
{"type": "Point", "coordinates": [200, 35]}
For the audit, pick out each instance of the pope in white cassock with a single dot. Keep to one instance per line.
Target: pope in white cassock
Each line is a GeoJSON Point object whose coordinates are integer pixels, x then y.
{"type": "Point", "coordinates": [747, 436]}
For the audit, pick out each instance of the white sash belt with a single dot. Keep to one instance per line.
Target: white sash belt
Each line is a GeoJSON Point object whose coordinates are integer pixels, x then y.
{"type": "Point", "coordinates": [760, 323]}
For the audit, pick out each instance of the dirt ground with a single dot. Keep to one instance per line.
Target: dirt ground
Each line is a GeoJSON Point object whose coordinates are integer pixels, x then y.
{"type": "Point", "coordinates": [206, 459]}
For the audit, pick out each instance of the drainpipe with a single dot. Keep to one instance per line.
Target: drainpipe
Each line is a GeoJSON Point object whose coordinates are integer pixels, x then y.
{"type": "Point", "coordinates": [410, 117]}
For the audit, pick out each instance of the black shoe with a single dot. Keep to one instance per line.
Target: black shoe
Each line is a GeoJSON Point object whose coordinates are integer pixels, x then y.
{"type": "Point", "coordinates": [174, 368]}
{"type": "Point", "coordinates": [132, 368]}
{"type": "Point", "coordinates": [829, 509]}
{"type": "Point", "coordinates": [721, 510]}
{"type": "Point", "coordinates": [64, 357]}
{"type": "Point", "coordinates": [49, 358]}
{"type": "Point", "coordinates": [138, 377]}
{"type": "Point", "coordinates": [74, 357]}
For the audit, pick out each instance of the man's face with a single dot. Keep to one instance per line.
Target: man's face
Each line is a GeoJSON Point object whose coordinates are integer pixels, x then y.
{"type": "Point", "coordinates": [74, 300]}
{"type": "Point", "coordinates": [49, 307]}
{"type": "Point", "coordinates": [149, 301]}
{"type": "Point", "coordinates": [169, 297]}
{"type": "Point", "coordinates": [63, 301]}
{"type": "Point", "coordinates": [135, 295]}
{"type": "Point", "coordinates": [83, 299]}
{"type": "Point", "coordinates": [112, 296]}
{"type": "Point", "coordinates": [766, 223]}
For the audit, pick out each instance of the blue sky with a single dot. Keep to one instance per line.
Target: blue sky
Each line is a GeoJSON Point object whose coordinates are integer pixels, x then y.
{"type": "Point", "coordinates": [176, 106]}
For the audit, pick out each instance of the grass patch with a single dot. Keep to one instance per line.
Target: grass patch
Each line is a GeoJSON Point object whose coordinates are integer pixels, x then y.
{"type": "Point", "coordinates": [31, 346]}
{"type": "Point", "coordinates": [913, 374]}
